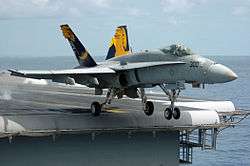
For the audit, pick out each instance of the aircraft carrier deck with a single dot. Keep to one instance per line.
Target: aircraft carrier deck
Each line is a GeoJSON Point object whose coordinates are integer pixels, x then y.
{"type": "Point", "coordinates": [51, 116]}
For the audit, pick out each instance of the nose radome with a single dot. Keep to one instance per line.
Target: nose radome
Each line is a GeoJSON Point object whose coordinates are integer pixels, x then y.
{"type": "Point", "coordinates": [221, 73]}
{"type": "Point", "coordinates": [231, 75]}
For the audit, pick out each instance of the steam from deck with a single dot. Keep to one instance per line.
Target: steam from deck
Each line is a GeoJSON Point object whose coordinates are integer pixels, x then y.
{"type": "Point", "coordinates": [5, 94]}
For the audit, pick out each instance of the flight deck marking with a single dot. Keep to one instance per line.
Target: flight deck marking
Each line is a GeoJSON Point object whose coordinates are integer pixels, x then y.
{"type": "Point", "coordinates": [115, 110]}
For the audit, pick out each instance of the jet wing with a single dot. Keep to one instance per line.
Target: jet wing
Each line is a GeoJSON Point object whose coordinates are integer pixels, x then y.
{"type": "Point", "coordinates": [49, 74]}
{"type": "Point", "coordinates": [137, 65]}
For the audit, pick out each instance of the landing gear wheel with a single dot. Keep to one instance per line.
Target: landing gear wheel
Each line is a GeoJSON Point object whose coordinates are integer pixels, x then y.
{"type": "Point", "coordinates": [95, 108]}
{"type": "Point", "coordinates": [176, 113]}
{"type": "Point", "coordinates": [149, 108]}
{"type": "Point", "coordinates": [168, 113]}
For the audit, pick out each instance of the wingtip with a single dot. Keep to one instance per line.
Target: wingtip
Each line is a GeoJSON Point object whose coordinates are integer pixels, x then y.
{"type": "Point", "coordinates": [15, 72]}
{"type": "Point", "coordinates": [12, 71]}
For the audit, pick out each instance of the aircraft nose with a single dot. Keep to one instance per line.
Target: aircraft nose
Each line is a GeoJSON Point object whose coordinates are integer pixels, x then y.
{"type": "Point", "coordinates": [220, 73]}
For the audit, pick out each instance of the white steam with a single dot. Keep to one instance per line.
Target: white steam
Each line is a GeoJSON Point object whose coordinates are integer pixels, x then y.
{"type": "Point", "coordinates": [5, 94]}
{"type": "Point", "coordinates": [35, 81]}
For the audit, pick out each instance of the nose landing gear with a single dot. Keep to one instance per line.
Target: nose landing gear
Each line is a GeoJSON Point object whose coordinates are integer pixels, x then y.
{"type": "Point", "coordinates": [176, 113]}
{"type": "Point", "coordinates": [172, 94]}
{"type": "Point", "coordinates": [169, 113]}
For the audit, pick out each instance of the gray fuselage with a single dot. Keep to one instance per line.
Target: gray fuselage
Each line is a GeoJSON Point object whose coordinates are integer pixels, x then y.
{"type": "Point", "coordinates": [195, 70]}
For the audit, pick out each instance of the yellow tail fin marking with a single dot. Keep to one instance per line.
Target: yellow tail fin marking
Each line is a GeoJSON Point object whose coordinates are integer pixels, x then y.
{"type": "Point", "coordinates": [84, 55]}
{"type": "Point", "coordinates": [120, 42]}
{"type": "Point", "coordinates": [67, 32]}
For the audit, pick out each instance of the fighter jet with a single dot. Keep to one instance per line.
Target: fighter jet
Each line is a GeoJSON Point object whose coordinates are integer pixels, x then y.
{"type": "Point", "coordinates": [124, 73]}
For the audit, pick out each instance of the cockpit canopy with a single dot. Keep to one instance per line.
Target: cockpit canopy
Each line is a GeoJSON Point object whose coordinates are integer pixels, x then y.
{"type": "Point", "coordinates": [177, 50]}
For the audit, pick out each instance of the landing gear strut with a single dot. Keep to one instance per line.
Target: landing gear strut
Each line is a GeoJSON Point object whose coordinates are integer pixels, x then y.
{"type": "Point", "coordinates": [148, 106]}
{"type": "Point", "coordinates": [109, 96]}
{"type": "Point", "coordinates": [172, 94]}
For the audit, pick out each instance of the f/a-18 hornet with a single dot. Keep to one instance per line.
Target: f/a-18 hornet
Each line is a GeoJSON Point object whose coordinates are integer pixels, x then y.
{"type": "Point", "coordinates": [127, 73]}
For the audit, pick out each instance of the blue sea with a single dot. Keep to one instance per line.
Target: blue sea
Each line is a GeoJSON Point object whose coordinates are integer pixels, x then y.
{"type": "Point", "coordinates": [233, 146]}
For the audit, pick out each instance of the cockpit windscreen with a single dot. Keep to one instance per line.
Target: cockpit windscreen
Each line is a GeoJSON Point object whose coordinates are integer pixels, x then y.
{"type": "Point", "coordinates": [177, 50]}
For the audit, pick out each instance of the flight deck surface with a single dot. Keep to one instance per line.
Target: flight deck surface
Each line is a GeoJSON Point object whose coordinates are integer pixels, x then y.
{"type": "Point", "coordinates": [30, 107]}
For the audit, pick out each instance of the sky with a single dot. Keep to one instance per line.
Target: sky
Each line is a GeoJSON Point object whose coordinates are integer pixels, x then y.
{"type": "Point", "coordinates": [31, 28]}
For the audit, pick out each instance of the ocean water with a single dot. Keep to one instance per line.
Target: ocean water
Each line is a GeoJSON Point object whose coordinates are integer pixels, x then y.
{"type": "Point", "coordinates": [233, 146]}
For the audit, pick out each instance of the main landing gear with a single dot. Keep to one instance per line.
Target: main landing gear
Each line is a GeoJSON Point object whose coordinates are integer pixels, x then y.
{"type": "Point", "coordinates": [171, 111]}
{"type": "Point", "coordinates": [148, 106]}
{"type": "Point", "coordinates": [96, 107]}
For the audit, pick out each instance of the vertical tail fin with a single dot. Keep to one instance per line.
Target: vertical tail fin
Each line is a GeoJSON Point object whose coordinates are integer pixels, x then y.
{"type": "Point", "coordinates": [81, 53]}
{"type": "Point", "coordinates": [119, 45]}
